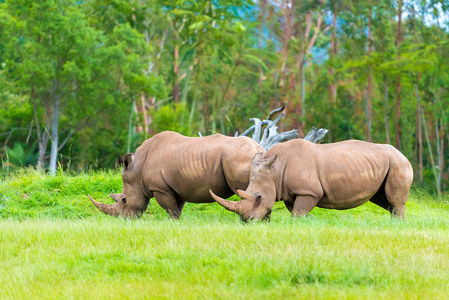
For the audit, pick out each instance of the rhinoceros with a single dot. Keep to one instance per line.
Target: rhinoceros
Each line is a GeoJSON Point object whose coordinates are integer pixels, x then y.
{"type": "Point", "coordinates": [176, 169]}
{"type": "Point", "coordinates": [340, 175]}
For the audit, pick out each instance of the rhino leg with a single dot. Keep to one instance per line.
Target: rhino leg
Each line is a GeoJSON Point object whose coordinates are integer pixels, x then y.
{"type": "Point", "coordinates": [397, 187]}
{"type": "Point", "coordinates": [303, 205]}
{"type": "Point", "coordinates": [169, 202]}
{"type": "Point", "coordinates": [289, 206]}
{"type": "Point", "coordinates": [381, 200]}
{"type": "Point", "coordinates": [395, 208]}
{"type": "Point", "coordinates": [396, 199]}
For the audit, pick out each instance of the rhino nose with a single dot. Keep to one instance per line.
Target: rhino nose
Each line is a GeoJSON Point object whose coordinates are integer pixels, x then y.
{"type": "Point", "coordinates": [248, 219]}
{"type": "Point", "coordinates": [244, 219]}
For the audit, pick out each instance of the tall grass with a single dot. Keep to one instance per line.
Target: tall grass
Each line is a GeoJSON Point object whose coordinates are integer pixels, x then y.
{"type": "Point", "coordinates": [55, 244]}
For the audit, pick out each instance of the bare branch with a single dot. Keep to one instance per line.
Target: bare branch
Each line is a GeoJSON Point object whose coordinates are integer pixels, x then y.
{"type": "Point", "coordinates": [36, 119]}
{"type": "Point", "coordinates": [315, 34]}
{"type": "Point", "coordinates": [271, 137]}
{"type": "Point", "coordinates": [252, 128]}
{"type": "Point", "coordinates": [29, 132]}
{"type": "Point", "coordinates": [86, 122]}
{"type": "Point", "coordinates": [14, 129]}
{"type": "Point", "coordinates": [320, 135]}
{"type": "Point", "coordinates": [282, 137]}
{"type": "Point", "coordinates": [309, 25]}
{"type": "Point", "coordinates": [276, 111]}
{"type": "Point", "coordinates": [271, 130]}
{"type": "Point", "coordinates": [311, 134]}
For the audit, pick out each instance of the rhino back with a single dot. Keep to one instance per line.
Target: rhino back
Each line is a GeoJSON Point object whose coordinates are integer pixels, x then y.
{"type": "Point", "coordinates": [351, 172]}
{"type": "Point", "coordinates": [343, 175]}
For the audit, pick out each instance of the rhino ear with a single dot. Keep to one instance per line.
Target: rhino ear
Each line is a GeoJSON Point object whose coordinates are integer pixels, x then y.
{"type": "Point", "coordinates": [270, 161]}
{"type": "Point", "coordinates": [127, 160]}
{"type": "Point", "coordinates": [258, 157]}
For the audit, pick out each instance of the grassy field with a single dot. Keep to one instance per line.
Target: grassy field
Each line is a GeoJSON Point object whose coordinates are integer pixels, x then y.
{"type": "Point", "coordinates": [55, 244]}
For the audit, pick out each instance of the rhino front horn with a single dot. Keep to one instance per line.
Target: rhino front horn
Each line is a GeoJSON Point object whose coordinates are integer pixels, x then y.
{"type": "Point", "coordinates": [229, 205]}
{"type": "Point", "coordinates": [109, 209]}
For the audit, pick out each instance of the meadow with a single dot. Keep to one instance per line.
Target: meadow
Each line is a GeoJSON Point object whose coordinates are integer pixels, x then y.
{"type": "Point", "coordinates": [55, 245]}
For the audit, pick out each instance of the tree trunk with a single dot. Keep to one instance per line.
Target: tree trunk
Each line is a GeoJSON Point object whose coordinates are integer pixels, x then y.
{"type": "Point", "coordinates": [142, 115]}
{"type": "Point", "coordinates": [432, 160]}
{"type": "Point", "coordinates": [140, 122]}
{"type": "Point", "coordinates": [175, 75]}
{"type": "Point", "coordinates": [41, 157]}
{"type": "Point", "coordinates": [145, 116]}
{"type": "Point", "coordinates": [43, 147]}
{"type": "Point", "coordinates": [398, 81]}
{"type": "Point", "coordinates": [333, 54]}
{"type": "Point", "coordinates": [387, 124]}
{"type": "Point", "coordinates": [439, 140]}
{"type": "Point", "coordinates": [398, 113]}
{"type": "Point", "coordinates": [130, 123]}
{"type": "Point", "coordinates": [438, 167]}
{"type": "Point", "coordinates": [54, 135]}
{"type": "Point", "coordinates": [261, 22]}
{"type": "Point", "coordinates": [369, 89]}
{"type": "Point", "coordinates": [206, 111]}
{"type": "Point", "coordinates": [301, 109]}
{"type": "Point", "coordinates": [302, 101]}
{"type": "Point", "coordinates": [442, 135]}
{"type": "Point", "coordinates": [419, 136]}
{"type": "Point", "coordinates": [287, 9]}
{"type": "Point", "coordinates": [287, 12]}
{"type": "Point", "coordinates": [42, 138]}
{"type": "Point", "coordinates": [441, 159]}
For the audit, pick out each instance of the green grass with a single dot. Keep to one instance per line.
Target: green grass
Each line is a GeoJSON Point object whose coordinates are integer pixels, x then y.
{"type": "Point", "coordinates": [55, 244]}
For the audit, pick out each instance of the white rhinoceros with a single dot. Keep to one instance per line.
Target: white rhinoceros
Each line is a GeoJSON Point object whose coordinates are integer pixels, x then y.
{"type": "Point", "coordinates": [336, 176]}
{"type": "Point", "coordinates": [176, 169]}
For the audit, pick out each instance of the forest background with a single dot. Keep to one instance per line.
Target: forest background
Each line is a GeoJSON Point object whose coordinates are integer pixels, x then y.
{"type": "Point", "coordinates": [83, 82]}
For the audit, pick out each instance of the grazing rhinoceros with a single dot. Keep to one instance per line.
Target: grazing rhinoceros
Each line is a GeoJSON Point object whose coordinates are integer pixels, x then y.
{"type": "Point", "coordinates": [176, 169]}
{"type": "Point", "coordinates": [337, 176]}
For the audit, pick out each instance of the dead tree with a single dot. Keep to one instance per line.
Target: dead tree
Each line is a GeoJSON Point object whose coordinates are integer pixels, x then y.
{"type": "Point", "coordinates": [271, 136]}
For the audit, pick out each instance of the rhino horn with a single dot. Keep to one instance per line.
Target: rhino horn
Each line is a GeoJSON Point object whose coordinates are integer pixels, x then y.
{"type": "Point", "coordinates": [229, 205]}
{"type": "Point", "coordinates": [243, 194]}
{"type": "Point", "coordinates": [115, 197]}
{"type": "Point", "coordinates": [109, 209]}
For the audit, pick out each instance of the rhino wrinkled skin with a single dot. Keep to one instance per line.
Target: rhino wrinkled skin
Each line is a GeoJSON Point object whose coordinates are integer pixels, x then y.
{"type": "Point", "coordinates": [341, 175]}
{"type": "Point", "coordinates": [176, 169]}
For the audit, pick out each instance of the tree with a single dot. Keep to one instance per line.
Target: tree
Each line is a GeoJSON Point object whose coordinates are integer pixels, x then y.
{"type": "Point", "coordinates": [58, 69]}
{"type": "Point", "coordinates": [398, 79]}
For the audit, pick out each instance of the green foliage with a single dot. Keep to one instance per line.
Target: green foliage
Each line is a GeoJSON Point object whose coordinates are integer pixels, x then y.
{"type": "Point", "coordinates": [174, 118]}
{"type": "Point", "coordinates": [29, 193]}
{"type": "Point", "coordinates": [18, 157]}
{"type": "Point", "coordinates": [126, 70]}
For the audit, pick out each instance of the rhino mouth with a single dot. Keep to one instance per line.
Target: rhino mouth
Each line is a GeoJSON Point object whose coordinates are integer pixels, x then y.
{"type": "Point", "coordinates": [247, 219]}
{"type": "Point", "coordinates": [252, 218]}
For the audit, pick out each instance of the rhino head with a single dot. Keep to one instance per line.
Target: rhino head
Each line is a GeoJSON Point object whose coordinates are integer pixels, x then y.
{"type": "Point", "coordinates": [132, 201]}
{"type": "Point", "coordinates": [259, 197]}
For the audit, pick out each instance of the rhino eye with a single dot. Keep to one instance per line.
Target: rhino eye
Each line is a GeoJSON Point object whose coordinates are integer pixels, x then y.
{"type": "Point", "coordinates": [124, 200]}
{"type": "Point", "coordinates": [259, 198]}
